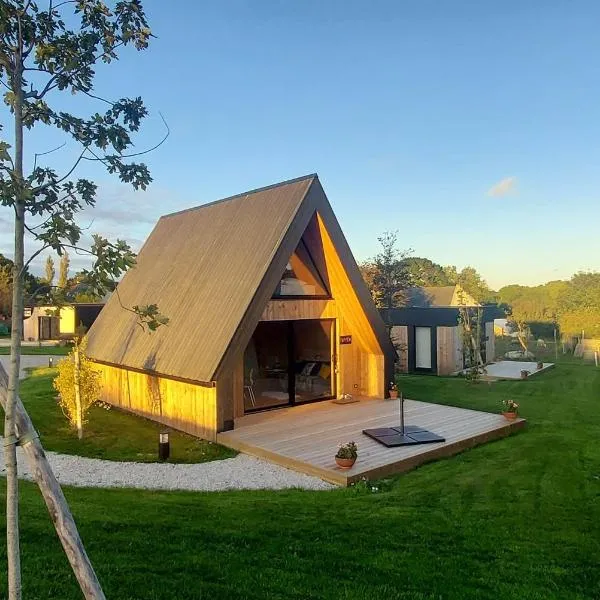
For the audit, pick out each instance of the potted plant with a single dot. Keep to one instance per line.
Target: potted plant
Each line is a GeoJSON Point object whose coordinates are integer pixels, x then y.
{"type": "Point", "coordinates": [524, 374]}
{"type": "Point", "coordinates": [393, 390]}
{"type": "Point", "coordinates": [346, 455]}
{"type": "Point", "coordinates": [510, 409]}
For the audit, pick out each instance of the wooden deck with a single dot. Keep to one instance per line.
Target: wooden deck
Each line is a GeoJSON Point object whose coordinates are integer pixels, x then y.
{"type": "Point", "coordinates": [306, 438]}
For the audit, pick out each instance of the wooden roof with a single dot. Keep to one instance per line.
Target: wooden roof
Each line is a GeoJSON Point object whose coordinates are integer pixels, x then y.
{"type": "Point", "coordinates": [438, 296]}
{"type": "Point", "coordinates": [211, 270]}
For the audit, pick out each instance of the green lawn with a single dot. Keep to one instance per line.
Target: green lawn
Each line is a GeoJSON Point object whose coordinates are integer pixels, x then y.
{"type": "Point", "coordinates": [109, 434]}
{"type": "Point", "coordinates": [45, 350]}
{"type": "Point", "coordinates": [514, 519]}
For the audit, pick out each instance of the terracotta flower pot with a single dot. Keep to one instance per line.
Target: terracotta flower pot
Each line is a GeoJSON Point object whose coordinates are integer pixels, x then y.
{"type": "Point", "coordinates": [509, 415]}
{"type": "Point", "coordinates": [345, 463]}
{"type": "Point", "coordinates": [540, 365]}
{"type": "Point", "coordinates": [524, 374]}
{"type": "Point", "coordinates": [393, 393]}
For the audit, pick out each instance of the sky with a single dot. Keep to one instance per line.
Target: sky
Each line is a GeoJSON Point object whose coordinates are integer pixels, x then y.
{"type": "Point", "coordinates": [469, 127]}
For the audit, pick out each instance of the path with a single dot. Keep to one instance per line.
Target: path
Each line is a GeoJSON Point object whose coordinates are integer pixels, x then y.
{"type": "Point", "coordinates": [240, 473]}
{"type": "Point", "coordinates": [28, 361]}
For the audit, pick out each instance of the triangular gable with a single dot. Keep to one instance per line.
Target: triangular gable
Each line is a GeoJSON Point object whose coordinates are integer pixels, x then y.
{"type": "Point", "coordinates": [212, 271]}
{"type": "Point", "coordinates": [316, 218]}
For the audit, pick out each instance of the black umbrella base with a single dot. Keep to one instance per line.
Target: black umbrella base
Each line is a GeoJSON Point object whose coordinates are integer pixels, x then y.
{"type": "Point", "coordinates": [413, 435]}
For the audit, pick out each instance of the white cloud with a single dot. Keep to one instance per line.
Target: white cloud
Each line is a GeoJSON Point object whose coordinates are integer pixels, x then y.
{"type": "Point", "coordinates": [120, 213]}
{"type": "Point", "coordinates": [504, 187]}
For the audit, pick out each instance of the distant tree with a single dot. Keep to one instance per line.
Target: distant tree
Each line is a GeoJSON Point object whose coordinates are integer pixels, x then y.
{"type": "Point", "coordinates": [424, 272]}
{"type": "Point", "coordinates": [63, 273]}
{"type": "Point", "coordinates": [30, 283]}
{"type": "Point", "coordinates": [533, 308]}
{"type": "Point", "coordinates": [5, 291]}
{"type": "Point", "coordinates": [579, 305]}
{"type": "Point", "coordinates": [472, 282]}
{"type": "Point", "coordinates": [50, 271]}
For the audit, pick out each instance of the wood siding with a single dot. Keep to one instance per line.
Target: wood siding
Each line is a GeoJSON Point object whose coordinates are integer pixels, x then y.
{"type": "Point", "coordinates": [183, 406]}
{"type": "Point", "coordinates": [449, 350]}
{"type": "Point", "coordinates": [360, 371]}
{"type": "Point", "coordinates": [490, 342]}
{"type": "Point", "coordinates": [399, 335]}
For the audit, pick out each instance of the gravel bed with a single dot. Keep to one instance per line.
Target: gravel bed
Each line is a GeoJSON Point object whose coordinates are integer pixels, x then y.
{"type": "Point", "coordinates": [240, 473]}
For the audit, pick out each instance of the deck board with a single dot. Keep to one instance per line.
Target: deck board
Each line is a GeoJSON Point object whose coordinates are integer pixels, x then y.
{"type": "Point", "coordinates": [306, 438]}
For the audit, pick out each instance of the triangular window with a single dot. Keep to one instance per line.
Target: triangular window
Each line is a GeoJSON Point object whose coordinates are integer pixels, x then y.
{"type": "Point", "coordinates": [301, 276]}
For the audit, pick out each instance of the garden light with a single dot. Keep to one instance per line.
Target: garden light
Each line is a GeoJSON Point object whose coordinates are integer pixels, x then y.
{"type": "Point", "coordinates": [164, 449]}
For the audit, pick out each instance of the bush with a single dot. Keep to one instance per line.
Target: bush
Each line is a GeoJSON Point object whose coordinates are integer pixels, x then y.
{"type": "Point", "coordinates": [65, 384]}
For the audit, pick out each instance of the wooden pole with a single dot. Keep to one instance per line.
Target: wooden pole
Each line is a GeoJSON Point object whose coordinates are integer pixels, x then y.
{"type": "Point", "coordinates": [53, 496]}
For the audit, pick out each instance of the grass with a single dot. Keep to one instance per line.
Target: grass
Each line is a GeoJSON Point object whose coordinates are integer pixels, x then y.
{"type": "Point", "coordinates": [109, 434]}
{"type": "Point", "coordinates": [44, 350]}
{"type": "Point", "coordinates": [518, 519]}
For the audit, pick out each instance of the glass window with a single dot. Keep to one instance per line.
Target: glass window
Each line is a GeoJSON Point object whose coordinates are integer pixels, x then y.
{"type": "Point", "coordinates": [301, 277]}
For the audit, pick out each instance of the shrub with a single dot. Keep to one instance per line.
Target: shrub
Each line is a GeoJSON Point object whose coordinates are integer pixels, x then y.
{"type": "Point", "coordinates": [78, 385]}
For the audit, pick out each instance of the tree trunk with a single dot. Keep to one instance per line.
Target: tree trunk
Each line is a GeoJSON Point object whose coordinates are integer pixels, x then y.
{"type": "Point", "coordinates": [53, 496]}
{"type": "Point", "coordinates": [77, 384]}
{"type": "Point", "coordinates": [10, 451]}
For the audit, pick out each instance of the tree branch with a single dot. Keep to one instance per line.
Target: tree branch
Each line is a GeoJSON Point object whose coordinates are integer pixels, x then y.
{"type": "Point", "coordinates": [41, 188]}
{"type": "Point", "coordinates": [51, 83]}
{"type": "Point", "coordinates": [47, 152]}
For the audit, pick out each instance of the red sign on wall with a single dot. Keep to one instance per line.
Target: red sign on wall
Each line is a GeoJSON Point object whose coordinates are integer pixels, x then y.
{"type": "Point", "coordinates": [345, 339]}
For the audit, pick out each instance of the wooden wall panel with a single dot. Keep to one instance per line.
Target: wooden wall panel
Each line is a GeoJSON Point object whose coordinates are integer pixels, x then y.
{"type": "Point", "coordinates": [291, 310]}
{"type": "Point", "coordinates": [490, 343]}
{"type": "Point", "coordinates": [183, 406]}
{"type": "Point", "coordinates": [399, 335]}
{"type": "Point", "coordinates": [449, 352]}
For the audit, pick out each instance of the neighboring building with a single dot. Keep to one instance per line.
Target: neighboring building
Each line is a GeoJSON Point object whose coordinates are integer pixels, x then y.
{"type": "Point", "coordinates": [52, 323]}
{"type": "Point", "coordinates": [501, 327]}
{"type": "Point", "coordinates": [266, 308]}
{"type": "Point", "coordinates": [426, 332]}
{"type": "Point", "coordinates": [446, 295]}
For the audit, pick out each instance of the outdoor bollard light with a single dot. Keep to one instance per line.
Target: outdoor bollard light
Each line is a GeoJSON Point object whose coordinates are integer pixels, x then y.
{"type": "Point", "coordinates": [163, 445]}
{"type": "Point", "coordinates": [50, 362]}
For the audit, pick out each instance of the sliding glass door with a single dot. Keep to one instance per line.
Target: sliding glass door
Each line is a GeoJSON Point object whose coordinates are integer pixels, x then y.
{"type": "Point", "coordinates": [289, 362]}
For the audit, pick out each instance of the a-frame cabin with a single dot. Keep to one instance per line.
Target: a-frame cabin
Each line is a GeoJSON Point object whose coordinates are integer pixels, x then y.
{"type": "Point", "coordinates": [266, 308]}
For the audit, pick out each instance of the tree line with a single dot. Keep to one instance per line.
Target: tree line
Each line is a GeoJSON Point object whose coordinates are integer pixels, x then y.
{"type": "Point", "coordinates": [44, 289]}
{"type": "Point", "coordinates": [572, 306]}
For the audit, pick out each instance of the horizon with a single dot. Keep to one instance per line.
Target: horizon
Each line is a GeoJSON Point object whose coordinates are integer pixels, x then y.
{"type": "Point", "coordinates": [469, 129]}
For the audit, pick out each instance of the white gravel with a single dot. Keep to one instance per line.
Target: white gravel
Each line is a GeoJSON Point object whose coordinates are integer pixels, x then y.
{"type": "Point", "coordinates": [240, 473]}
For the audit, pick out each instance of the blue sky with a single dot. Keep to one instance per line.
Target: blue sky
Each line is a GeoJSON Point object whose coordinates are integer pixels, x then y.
{"type": "Point", "coordinates": [471, 127]}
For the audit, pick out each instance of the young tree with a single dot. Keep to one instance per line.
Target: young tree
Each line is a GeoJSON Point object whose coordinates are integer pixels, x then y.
{"type": "Point", "coordinates": [390, 276]}
{"type": "Point", "coordinates": [78, 384]}
{"type": "Point", "coordinates": [45, 53]}
{"type": "Point", "coordinates": [63, 273]}
{"type": "Point", "coordinates": [50, 271]}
